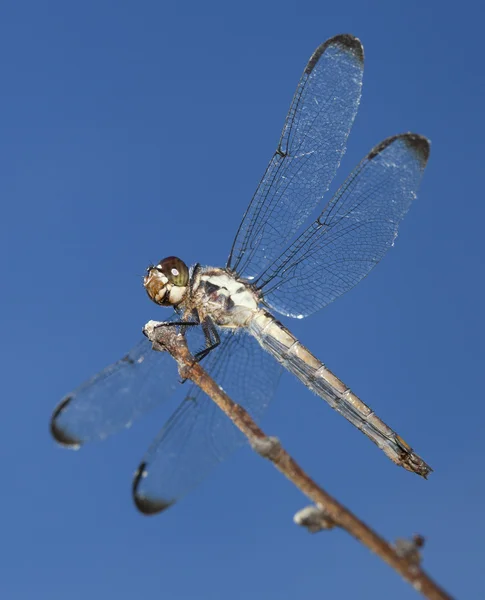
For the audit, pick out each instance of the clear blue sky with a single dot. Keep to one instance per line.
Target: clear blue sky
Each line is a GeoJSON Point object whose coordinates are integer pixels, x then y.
{"type": "Point", "coordinates": [130, 131]}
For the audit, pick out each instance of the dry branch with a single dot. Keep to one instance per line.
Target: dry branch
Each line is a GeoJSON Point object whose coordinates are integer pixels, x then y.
{"type": "Point", "coordinates": [332, 513]}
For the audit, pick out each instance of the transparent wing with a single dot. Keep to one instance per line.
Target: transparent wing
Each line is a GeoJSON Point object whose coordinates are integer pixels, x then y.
{"type": "Point", "coordinates": [199, 435]}
{"type": "Point", "coordinates": [352, 234]}
{"type": "Point", "coordinates": [115, 397]}
{"type": "Point", "coordinates": [309, 152]}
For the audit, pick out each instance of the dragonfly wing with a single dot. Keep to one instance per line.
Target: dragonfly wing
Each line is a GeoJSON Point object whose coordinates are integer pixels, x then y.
{"type": "Point", "coordinates": [199, 435]}
{"type": "Point", "coordinates": [115, 397]}
{"type": "Point", "coordinates": [355, 230]}
{"type": "Point", "coordinates": [309, 152]}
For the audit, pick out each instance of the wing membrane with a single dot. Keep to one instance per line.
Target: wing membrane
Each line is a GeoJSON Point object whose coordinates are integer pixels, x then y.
{"type": "Point", "coordinates": [115, 397]}
{"type": "Point", "coordinates": [352, 234]}
{"type": "Point", "coordinates": [309, 152]}
{"type": "Point", "coordinates": [199, 435]}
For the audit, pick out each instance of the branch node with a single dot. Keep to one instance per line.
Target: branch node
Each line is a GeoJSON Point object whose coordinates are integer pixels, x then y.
{"type": "Point", "coordinates": [314, 518]}
{"type": "Point", "coordinates": [267, 446]}
{"type": "Point", "coordinates": [410, 550]}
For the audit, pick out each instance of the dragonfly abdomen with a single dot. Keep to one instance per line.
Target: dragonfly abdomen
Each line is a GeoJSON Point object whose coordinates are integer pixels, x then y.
{"type": "Point", "coordinates": [298, 360]}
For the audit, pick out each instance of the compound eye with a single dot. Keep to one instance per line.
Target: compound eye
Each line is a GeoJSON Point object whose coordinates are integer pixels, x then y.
{"type": "Point", "coordinates": [175, 270]}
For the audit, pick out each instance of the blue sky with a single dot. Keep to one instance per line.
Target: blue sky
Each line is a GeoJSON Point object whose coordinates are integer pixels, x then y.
{"type": "Point", "coordinates": [130, 131]}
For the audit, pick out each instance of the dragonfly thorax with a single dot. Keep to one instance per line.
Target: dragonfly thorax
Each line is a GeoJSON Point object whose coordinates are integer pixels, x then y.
{"type": "Point", "coordinates": [166, 283]}
{"type": "Point", "coordinates": [219, 295]}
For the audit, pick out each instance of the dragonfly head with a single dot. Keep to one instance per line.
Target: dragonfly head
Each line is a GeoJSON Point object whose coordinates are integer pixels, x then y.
{"type": "Point", "coordinates": [166, 283]}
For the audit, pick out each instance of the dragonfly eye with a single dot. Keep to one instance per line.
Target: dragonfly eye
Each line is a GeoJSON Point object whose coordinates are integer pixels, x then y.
{"type": "Point", "coordinates": [175, 270]}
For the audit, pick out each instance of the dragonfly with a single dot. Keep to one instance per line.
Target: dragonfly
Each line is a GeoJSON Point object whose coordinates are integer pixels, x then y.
{"type": "Point", "coordinates": [275, 265]}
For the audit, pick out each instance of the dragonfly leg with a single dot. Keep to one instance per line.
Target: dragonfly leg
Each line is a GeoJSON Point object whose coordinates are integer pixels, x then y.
{"type": "Point", "coordinates": [212, 338]}
{"type": "Point", "coordinates": [181, 323]}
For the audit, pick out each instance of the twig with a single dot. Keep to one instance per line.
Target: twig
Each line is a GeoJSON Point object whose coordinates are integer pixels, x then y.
{"type": "Point", "coordinates": [166, 338]}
